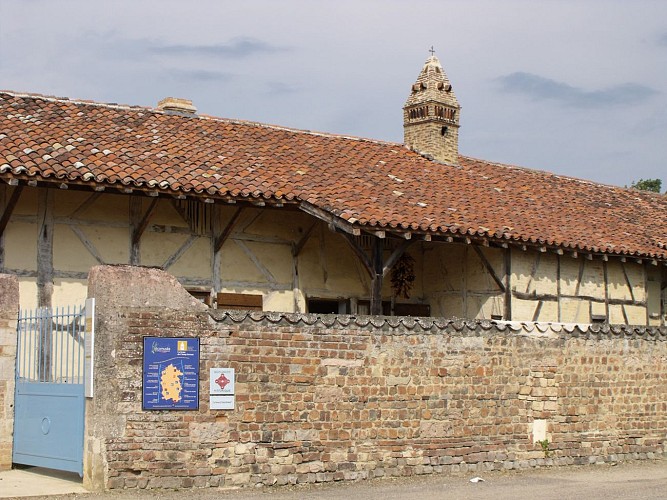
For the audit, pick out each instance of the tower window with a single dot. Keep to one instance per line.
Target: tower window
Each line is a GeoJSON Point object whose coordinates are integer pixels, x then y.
{"type": "Point", "coordinates": [443, 130]}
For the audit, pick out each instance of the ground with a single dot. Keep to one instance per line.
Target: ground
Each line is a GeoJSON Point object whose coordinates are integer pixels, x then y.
{"type": "Point", "coordinates": [632, 480]}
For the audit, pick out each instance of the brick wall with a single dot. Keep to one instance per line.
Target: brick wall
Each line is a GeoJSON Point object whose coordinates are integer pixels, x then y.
{"type": "Point", "coordinates": [344, 398]}
{"type": "Point", "coordinates": [9, 307]}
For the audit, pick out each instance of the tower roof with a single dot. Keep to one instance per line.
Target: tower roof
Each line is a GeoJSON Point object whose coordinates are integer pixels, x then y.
{"type": "Point", "coordinates": [432, 85]}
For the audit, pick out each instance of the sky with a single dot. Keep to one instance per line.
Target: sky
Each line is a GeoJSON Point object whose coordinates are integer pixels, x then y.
{"type": "Point", "coordinates": [575, 87]}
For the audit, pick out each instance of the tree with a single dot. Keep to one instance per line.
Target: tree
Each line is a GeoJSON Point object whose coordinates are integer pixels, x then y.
{"type": "Point", "coordinates": [648, 185]}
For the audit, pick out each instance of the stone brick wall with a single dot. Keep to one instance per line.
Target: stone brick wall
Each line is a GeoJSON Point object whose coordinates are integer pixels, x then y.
{"type": "Point", "coordinates": [426, 137]}
{"type": "Point", "coordinates": [344, 398]}
{"type": "Point", "coordinates": [9, 308]}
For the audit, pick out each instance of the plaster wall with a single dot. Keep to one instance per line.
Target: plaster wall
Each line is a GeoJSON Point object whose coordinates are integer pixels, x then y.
{"type": "Point", "coordinates": [257, 257]}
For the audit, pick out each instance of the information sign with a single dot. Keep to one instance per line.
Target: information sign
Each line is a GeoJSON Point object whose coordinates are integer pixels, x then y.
{"type": "Point", "coordinates": [170, 374]}
{"type": "Point", "coordinates": [221, 389]}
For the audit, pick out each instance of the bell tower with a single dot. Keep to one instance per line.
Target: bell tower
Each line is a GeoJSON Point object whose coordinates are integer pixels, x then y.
{"type": "Point", "coordinates": [431, 114]}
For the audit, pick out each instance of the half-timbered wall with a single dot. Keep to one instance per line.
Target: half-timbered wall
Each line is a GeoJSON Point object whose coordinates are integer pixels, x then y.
{"type": "Point", "coordinates": [472, 282]}
{"type": "Point", "coordinates": [287, 256]}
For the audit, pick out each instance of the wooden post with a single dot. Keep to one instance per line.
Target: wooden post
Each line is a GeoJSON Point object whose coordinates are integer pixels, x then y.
{"type": "Point", "coordinates": [558, 289]}
{"type": "Point", "coordinates": [606, 292]}
{"type": "Point", "coordinates": [45, 206]}
{"type": "Point", "coordinates": [216, 253]}
{"type": "Point", "coordinates": [135, 220]}
{"type": "Point", "coordinates": [508, 284]}
{"type": "Point", "coordinates": [377, 277]}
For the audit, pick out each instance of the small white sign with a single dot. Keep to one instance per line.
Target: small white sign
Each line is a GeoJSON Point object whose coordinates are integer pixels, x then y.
{"type": "Point", "coordinates": [222, 402]}
{"type": "Point", "coordinates": [89, 348]}
{"type": "Point", "coordinates": [221, 389]}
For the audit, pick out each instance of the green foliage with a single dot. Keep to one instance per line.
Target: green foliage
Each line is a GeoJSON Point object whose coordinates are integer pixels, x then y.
{"type": "Point", "coordinates": [544, 444]}
{"type": "Point", "coordinates": [654, 185]}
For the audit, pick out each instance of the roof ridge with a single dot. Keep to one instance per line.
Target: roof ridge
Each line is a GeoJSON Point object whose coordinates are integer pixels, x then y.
{"type": "Point", "coordinates": [234, 121]}
{"type": "Point", "coordinates": [560, 176]}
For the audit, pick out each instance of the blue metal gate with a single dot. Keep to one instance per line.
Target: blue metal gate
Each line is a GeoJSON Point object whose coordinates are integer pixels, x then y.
{"type": "Point", "coordinates": [49, 401]}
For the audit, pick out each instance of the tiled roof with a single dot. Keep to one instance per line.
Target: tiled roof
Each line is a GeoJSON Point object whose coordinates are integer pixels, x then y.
{"type": "Point", "coordinates": [370, 184]}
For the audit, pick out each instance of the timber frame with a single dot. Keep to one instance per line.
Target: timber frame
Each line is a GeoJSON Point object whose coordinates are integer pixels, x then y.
{"type": "Point", "coordinates": [374, 260]}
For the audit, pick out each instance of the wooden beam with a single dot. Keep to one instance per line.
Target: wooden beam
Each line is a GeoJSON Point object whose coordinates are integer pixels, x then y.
{"type": "Point", "coordinates": [258, 263]}
{"type": "Point", "coordinates": [376, 233]}
{"type": "Point", "coordinates": [554, 298]}
{"type": "Point", "coordinates": [88, 244]}
{"type": "Point", "coordinates": [377, 277]}
{"type": "Point", "coordinates": [295, 269]}
{"type": "Point", "coordinates": [359, 252]}
{"type": "Point", "coordinates": [508, 284]}
{"type": "Point", "coordinates": [538, 309]}
{"type": "Point", "coordinates": [579, 277]}
{"type": "Point", "coordinates": [85, 205]}
{"type": "Point", "coordinates": [178, 253]}
{"type": "Point", "coordinates": [627, 281]}
{"type": "Point", "coordinates": [605, 277]}
{"type": "Point", "coordinates": [489, 268]}
{"type": "Point", "coordinates": [393, 258]}
{"type": "Point", "coordinates": [9, 209]}
{"type": "Point", "coordinates": [533, 271]}
{"type": "Point", "coordinates": [222, 237]}
{"type": "Point", "coordinates": [216, 262]}
{"type": "Point", "coordinates": [298, 246]}
{"type": "Point", "coordinates": [135, 219]}
{"type": "Point", "coordinates": [45, 209]}
{"type": "Point", "coordinates": [329, 218]}
{"type": "Point", "coordinates": [143, 223]}
{"type": "Point", "coordinates": [558, 287]}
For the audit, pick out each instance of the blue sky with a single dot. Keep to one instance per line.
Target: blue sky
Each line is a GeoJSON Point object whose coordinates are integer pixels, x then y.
{"type": "Point", "coordinates": [576, 87]}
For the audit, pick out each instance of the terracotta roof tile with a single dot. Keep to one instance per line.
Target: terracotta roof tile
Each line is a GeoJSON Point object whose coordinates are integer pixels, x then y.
{"type": "Point", "coordinates": [369, 183]}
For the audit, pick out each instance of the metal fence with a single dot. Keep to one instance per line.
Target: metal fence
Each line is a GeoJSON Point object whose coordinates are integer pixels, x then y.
{"type": "Point", "coordinates": [50, 345]}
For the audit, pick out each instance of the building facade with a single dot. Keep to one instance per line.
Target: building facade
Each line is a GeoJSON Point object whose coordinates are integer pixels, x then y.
{"type": "Point", "coordinates": [253, 216]}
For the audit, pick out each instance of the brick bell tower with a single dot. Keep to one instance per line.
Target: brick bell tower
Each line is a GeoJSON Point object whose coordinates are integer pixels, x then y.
{"type": "Point", "coordinates": [431, 115]}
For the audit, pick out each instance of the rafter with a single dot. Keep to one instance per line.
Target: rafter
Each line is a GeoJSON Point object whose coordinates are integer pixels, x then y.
{"type": "Point", "coordinates": [489, 268]}
{"type": "Point", "coordinates": [143, 223]}
{"type": "Point", "coordinates": [396, 254]}
{"type": "Point", "coordinates": [9, 209]}
{"type": "Point", "coordinates": [222, 237]}
{"type": "Point", "coordinates": [332, 220]}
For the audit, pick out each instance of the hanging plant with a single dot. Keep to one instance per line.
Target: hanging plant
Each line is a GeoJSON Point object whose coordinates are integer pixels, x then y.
{"type": "Point", "coordinates": [403, 276]}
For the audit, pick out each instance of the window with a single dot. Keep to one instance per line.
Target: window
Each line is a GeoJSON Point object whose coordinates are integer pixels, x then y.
{"type": "Point", "coordinates": [399, 309]}
{"type": "Point", "coordinates": [202, 294]}
{"type": "Point", "coordinates": [328, 306]}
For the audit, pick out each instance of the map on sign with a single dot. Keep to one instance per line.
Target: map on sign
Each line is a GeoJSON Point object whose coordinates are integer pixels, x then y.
{"type": "Point", "coordinates": [171, 374]}
{"type": "Point", "coordinates": [171, 382]}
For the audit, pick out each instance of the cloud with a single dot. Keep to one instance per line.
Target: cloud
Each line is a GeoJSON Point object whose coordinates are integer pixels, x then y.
{"type": "Point", "coordinates": [662, 40]}
{"type": "Point", "coordinates": [201, 75]}
{"type": "Point", "coordinates": [281, 88]}
{"type": "Point", "coordinates": [236, 48]}
{"type": "Point", "coordinates": [540, 88]}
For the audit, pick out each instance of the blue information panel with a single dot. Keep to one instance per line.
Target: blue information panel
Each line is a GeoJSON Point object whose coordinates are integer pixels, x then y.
{"type": "Point", "coordinates": [171, 374]}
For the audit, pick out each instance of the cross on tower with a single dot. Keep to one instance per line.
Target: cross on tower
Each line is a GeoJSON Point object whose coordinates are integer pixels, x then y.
{"type": "Point", "coordinates": [432, 50]}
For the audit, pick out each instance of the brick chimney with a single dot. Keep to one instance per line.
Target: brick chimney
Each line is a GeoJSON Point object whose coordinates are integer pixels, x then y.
{"type": "Point", "coordinates": [176, 106]}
